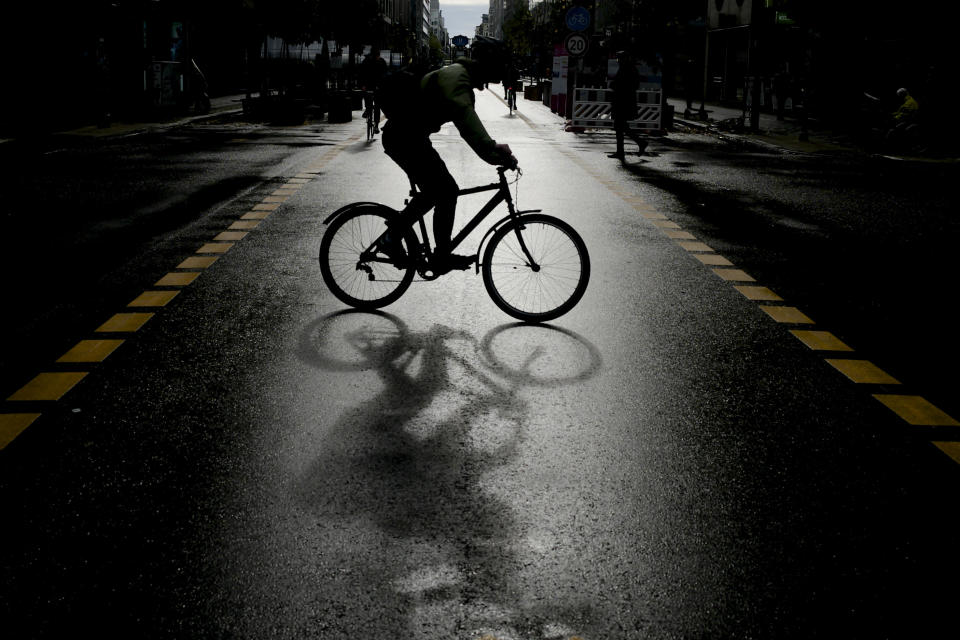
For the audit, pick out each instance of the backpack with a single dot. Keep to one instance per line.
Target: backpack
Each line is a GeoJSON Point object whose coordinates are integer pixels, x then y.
{"type": "Point", "coordinates": [399, 94]}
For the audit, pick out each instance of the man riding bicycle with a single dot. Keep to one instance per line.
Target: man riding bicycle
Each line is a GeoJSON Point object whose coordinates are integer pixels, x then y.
{"type": "Point", "coordinates": [511, 81]}
{"type": "Point", "coordinates": [372, 70]}
{"type": "Point", "coordinates": [446, 95]}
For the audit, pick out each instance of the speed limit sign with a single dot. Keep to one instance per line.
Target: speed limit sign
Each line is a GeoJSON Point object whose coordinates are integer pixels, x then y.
{"type": "Point", "coordinates": [577, 44]}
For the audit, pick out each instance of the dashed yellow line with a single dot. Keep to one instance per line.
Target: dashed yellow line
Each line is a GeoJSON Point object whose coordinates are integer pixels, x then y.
{"type": "Point", "coordinates": [153, 299]}
{"type": "Point", "coordinates": [952, 449]}
{"type": "Point", "coordinates": [756, 292]}
{"type": "Point", "coordinates": [695, 247]}
{"type": "Point", "coordinates": [915, 410]}
{"type": "Point", "coordinates": [820, 340]}
{"type": "Point", "coordinates": [125, 323]}
{"type": "Point", "coordinates": [215, 247]}
{"type": "Point", "coordinates": [48, 386]}
{"type": "Point", "coordinates": [786, 315]}
{"type": "Point", "coordinates": [52, 386]}
{"type": "Point", "coordinates": [197, 262]}
{"type": "Point", "coordinates": [713, 259]}
{"type": "Point", "coordinates": [13, 424]}
{"type": "Point", "coordinates": [862, 371]}
{"type": "Point", "coordinates": [733, 275]}
{"type": "Point", "coordinates": [90, 351]}
{"type": "Point", "coordinates": [177, 279]}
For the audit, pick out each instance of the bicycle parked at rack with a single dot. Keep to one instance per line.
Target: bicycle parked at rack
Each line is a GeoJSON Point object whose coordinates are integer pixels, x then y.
{"type": "Point", "coordinates": [535, 267]}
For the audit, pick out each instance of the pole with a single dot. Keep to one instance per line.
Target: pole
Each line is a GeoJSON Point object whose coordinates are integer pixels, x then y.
{"type": "Point", "coordinates": [706, 75]}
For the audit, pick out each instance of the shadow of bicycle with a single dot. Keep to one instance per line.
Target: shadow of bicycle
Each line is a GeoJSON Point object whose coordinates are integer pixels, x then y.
{"type": "Point", "coordinates": [412, 459]}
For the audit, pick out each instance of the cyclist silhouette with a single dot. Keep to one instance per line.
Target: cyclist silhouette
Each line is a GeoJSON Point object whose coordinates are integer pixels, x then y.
{"type": "Point", "coordinates": [372, 70]}
{"type": "Point", "coordinates": [446, 95]}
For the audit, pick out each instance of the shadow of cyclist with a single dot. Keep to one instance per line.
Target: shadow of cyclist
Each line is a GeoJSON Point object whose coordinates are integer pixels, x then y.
{"type": "Point", "coordinates": [416, 459]}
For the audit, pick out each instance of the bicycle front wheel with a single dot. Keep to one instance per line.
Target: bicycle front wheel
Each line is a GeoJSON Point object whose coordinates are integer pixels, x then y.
{"type": "Point", "coordinates": [353, 271]}
{"type": "Point", "coordinates": [536, 268]}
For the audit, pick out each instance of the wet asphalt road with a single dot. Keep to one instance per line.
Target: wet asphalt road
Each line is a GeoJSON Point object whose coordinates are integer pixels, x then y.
{"type": "Point", "coordinates": [665, 461]}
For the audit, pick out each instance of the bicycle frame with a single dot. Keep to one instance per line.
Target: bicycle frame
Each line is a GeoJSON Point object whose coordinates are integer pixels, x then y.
{"type": "Point", "coordinates": [502, 195]}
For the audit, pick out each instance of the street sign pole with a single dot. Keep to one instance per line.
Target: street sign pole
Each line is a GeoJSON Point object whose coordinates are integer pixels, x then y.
{"type": "Point", "coordinates": [576, 43]}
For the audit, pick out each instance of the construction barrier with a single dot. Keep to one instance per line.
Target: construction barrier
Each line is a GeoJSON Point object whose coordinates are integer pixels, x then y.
{"type": "Point", "coordinates": [593, 109]}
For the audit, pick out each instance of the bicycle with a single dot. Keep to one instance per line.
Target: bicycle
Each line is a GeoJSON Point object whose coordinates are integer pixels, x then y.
{"type": "Point", "coordinates": [372, 123]}
{"type": "Point", "coordinates": [535, 266]}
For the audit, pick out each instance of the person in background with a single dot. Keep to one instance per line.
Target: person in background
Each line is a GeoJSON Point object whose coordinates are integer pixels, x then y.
{"type": "Point", "coordinates": [625, 85]}
{"type": "Point", "coordinates": [372, 70]}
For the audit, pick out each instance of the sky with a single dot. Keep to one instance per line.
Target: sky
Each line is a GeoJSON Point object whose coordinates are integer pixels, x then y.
{"type": "Point", "coordinates": [463, 16]}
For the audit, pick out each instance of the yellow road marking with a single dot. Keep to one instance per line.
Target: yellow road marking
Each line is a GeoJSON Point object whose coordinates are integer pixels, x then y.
{"type": "Point", "coordinates": [790, 315]}
{"type": "Point", "coordinates": [90, 351]}
{"type": "Point", "coordinates": [713, 259]}
{"type": "Point", "coordinates": [276, 199]}
{"type": "Point", "coordinates": [255, 215]}
{"type": "Point", "coordinates": [13, 424]}
{"type": "Point", "coordinates": [124, 323]}
{"type": "Point", "coordinates": [733, 275]}
{"type": "Point", "coordinates": [679, 235]}
{"type": "Point", "coordinates": [48, 386]}
{"type": "Point", "coordinates": [285, 191]}
{"type": "Point", "coordinates": [230, 236]}
{"type": "Point", "coordinates": [197, 262]}
{"type": "Point", "coordinates": [666, 224]}
{"type": "Point", "coordinates": [175, 279]}
{"type": "Point", "coordinates": [756, 292]}
{"type": "Point", "coordinates": [244, 225]}
{"type": "Point", "coordinates": [696, 246]}
{"type": "Point", "coordinates": [215, 247]}
{"type": "Point", "coordinates": [820, 340]}
{"type": "Point", "coordinates": [862, 371]}
{"type": "Point", "coordinates": [266, 206]}
{"type": "Point", "coordinates": [916, 410]}
{"type": "Point", "coordinates": [952, 449]}
{"type": "Point", "coordinates": [153, 299]}
{"type": "Point", "coordinates": [653, 215]}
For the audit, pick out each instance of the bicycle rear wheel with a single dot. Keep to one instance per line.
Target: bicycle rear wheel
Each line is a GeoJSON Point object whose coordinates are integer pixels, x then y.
{"type": "Point", "coordinates": [355, 272]}
{"type": "Point", "coordinates": [552, 283]}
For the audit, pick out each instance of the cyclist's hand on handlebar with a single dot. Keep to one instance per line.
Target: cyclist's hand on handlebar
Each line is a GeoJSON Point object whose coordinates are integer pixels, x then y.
{"type": "Point", "coordinates": [508, 159]}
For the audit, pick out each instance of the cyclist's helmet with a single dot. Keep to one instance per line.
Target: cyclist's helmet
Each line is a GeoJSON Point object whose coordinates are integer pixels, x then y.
{"type": "Point", "coordinates": [492, 55]}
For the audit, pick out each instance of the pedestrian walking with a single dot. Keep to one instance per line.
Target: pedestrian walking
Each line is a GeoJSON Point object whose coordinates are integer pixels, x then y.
{"type": "Point", "coordinates": [625, 85]}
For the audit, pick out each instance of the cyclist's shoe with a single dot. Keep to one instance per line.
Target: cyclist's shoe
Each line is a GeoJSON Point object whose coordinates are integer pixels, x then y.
{"type": "Point", "coordinates": [392, 246]}
{"type": "Point", "coordinates": [454, 261]}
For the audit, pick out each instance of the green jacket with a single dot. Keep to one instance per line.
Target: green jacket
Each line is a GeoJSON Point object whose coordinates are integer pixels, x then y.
{"type": "Point", "coordinates": [447, 96]}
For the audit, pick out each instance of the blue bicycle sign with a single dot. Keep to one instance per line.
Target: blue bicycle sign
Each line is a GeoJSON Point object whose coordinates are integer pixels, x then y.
{"type": "Point", "coordinates": [578, 18]}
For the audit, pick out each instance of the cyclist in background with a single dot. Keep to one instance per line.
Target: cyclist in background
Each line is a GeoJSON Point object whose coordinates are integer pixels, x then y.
{"type": "Point", "coordinates": [372, 70]}
{"type": "Point", "coordinates": [446, 95]}
{"type": "Point", "coordinates": [510, 84]}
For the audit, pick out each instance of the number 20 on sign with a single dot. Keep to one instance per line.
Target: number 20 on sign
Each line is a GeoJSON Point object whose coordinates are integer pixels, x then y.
{"type": "Point", "coordinates": [576, 44]}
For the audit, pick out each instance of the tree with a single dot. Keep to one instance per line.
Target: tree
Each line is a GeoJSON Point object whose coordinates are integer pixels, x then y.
{"type": "Point", "coordinates": [518, 30]}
